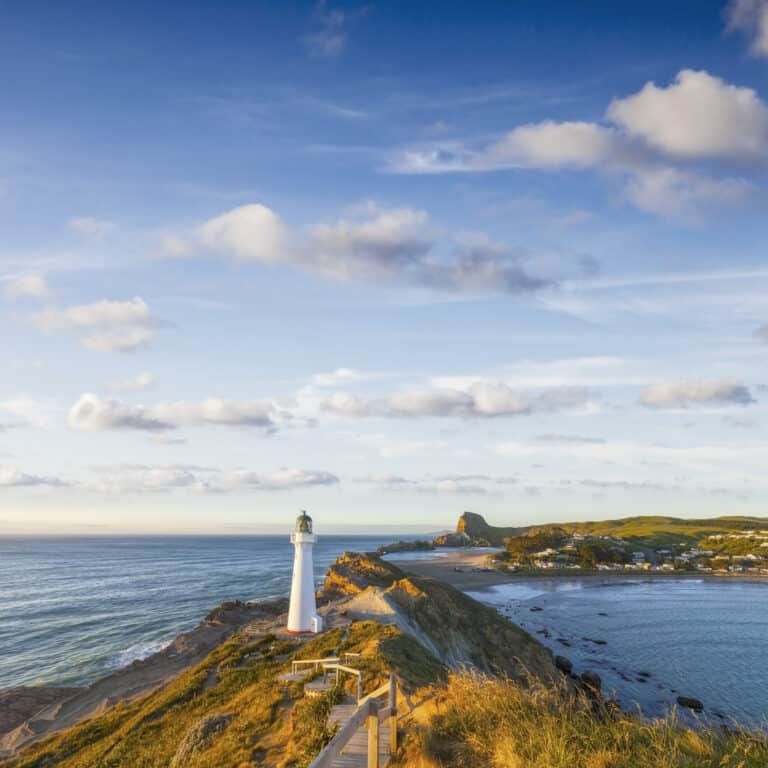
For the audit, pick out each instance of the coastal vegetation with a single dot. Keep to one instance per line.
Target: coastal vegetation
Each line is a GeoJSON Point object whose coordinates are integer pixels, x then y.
{"type": "Point", "coordinates": [476, 722]}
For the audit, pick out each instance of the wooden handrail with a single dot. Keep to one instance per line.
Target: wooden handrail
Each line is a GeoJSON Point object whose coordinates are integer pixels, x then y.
{"type": "Point", "coordinates": [380, 691]}
{"type": "Point", "coordinates": [342, 668]}
{"type": "Point", "coordinates": [298, 662]}
{"type": "Point", "coordinates": [368, 713]}
{"type": "Point", "coordinates": [334, 747]}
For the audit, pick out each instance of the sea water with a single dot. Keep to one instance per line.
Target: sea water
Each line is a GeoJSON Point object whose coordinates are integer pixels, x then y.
{"type": "Point", "coordinates": [705, 638]}
{"type": "Point", "coordinates": [74, 609]}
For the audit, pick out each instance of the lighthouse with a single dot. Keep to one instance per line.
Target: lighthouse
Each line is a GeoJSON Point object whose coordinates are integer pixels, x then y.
{"type": "Point", "coordinates": [302, 612]}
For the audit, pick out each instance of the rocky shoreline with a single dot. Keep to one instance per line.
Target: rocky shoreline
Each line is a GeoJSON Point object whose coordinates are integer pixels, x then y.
{"type": "Point", "coordinates": [31, 712]}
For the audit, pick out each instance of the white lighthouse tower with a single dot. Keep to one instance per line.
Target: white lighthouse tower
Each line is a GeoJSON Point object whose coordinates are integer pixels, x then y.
{"type": "Point", "coordinates": [302, 612]}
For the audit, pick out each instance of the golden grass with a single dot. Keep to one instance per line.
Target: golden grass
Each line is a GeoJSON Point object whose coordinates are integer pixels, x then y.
{"type": "Point", "coordinates": [258, 721]}
{"type": "Point", "coordinates": [482, 723]}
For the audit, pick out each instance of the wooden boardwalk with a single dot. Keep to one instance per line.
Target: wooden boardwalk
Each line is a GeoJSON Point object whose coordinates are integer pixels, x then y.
{"type": "Point", "coordinates": [355, 753]}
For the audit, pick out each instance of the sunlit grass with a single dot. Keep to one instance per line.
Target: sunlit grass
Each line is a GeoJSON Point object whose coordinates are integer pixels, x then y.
{"type": "Point", "coordinates": [482, 723]}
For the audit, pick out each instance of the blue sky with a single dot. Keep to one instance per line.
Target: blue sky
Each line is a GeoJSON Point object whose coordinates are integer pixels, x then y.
{"type": "Point", "coordinates": [383, 261]}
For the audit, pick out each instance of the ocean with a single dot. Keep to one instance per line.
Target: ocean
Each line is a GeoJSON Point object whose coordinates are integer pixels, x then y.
{"type": "Point", "coordinates": [75, 609]}
{"type": "Point", "coordinates": [705, 638]}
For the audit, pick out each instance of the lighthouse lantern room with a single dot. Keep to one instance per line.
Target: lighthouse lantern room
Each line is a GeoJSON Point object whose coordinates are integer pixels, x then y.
{"type": "Point", "coordinates": [302, 612]}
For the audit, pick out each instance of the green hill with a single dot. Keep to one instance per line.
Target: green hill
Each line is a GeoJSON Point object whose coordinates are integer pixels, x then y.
{"type": "Point", "coordinates": [650, 530]}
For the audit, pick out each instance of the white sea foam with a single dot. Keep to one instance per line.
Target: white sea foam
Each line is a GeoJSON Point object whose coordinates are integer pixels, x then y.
{"type": "Point", "coordinates": [137, 652]}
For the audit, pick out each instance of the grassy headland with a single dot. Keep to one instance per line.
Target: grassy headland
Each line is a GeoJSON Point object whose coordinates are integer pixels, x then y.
{"type": "Point", "coordinates": [516, 709]}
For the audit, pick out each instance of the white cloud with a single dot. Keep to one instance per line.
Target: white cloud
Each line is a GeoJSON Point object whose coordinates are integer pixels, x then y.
{"type": "Point", "coordinates": [373, 244]}
{"type": "Point", "coordinates": [13, 478]}
{"type": "Point", "coordinates": [94, 413]}
{"type": "Point", "coordinates": [477, 399]}
{"type": "Point", "coordinates": [138, 478]}
{"type": "Point", "coordinates": [653, 132]}
{"type": "Point", "coordinates": [377, 245]}
{"type": "Point", "coordinates": [547, 145]}
{"type": "Point", "coordinates": [553, 145]}
{"type": "Point", "coordinates": [27, 286]}
{"type": "Point", "coordinates": [103, 326]}
{"type": "Point", "coordinates": [671, 192]}
{"type": "Point", "coordinates": [252, 233]}
{"type": "Point", "coordinates": [706, 391]}
{"type": "Point", "coordinates": [88, 226]}
{"type": "Point", "coordinates": [281, 480]}
{"type": "Point", "coordinates": [135, 383]}
{"type": "Point", "coordinates": [697, 116]}
{"type": "Point", "coordinates": [346, 404]}
{"type": "Point", "coordinates": [751, 18]}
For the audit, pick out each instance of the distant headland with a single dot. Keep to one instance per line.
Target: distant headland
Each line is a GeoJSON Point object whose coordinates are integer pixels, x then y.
{"type": "Point", "coordinates": [649, 544]}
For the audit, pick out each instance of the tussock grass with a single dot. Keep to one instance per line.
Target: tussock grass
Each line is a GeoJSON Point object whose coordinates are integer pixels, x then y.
{"type": "Point", "coordinates": [482, 723]}
{"type": "Point", "coordinates": [230, 711]}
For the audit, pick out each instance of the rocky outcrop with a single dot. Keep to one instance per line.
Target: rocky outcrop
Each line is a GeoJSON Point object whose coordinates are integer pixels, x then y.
{"type": "Point", "coordinates": [690, 703]}
{"type": "Point", "coordinates": [19, 704]}
{"type": "Point", "coordinates": [406, 546]}
{"type": "Point", "coordinates": [592, 682]}
{"type": "Point", "coordinates": [453, 540]}
{"type": "Point", "coordinates": [354, 572]}
{"type": "Point", "coordinates": [480, 533]}
{"type": "Point", "coordinates": [458, 630]}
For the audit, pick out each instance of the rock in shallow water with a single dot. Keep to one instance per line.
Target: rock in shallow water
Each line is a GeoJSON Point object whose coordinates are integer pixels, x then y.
{"type": "Point", "coordinates": [690, 703]}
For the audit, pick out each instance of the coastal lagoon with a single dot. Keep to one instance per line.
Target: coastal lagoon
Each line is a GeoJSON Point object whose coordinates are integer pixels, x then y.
{"type": "Point", "coordinates": [706, 638]}
{"type": "Point", "coordinates": [74, 609]}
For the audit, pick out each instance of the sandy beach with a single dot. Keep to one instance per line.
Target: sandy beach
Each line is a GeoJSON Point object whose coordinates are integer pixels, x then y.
{"type": "Point", "coordinates": [456, 568]}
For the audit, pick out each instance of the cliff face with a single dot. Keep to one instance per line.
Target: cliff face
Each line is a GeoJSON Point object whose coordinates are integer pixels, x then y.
{"type": "Point", "coordinates": [457, 629]}
{"type": "Point", "coordinates": [473, 527]}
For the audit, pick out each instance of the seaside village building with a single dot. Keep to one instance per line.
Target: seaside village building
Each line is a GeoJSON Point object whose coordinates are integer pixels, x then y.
{"type": "Point", "coordinates": [302, 611]}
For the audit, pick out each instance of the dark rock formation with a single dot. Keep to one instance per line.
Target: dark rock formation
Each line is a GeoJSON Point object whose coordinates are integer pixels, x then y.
{"type": "Point", "coordinates": [592, 682]}
{"type": "Point", "coordinates": [482, 534]}
{"type": "Point", "coordinates": [690, 703]}
{"type": "Point", "coordinates": [564, 664]}
{"type": "Point", "coordinates": [406, 546]}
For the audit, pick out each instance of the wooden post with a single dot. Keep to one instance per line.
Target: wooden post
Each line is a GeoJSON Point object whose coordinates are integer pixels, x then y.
{"type": "Point", "coordinates": [373, 734]}
{"type": "Point", "coordinates": [393, 714]}
{"type": "Point", "coordinates": [359, 687]}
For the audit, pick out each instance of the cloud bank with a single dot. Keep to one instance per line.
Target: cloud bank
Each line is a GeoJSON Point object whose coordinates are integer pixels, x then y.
{"type": "Point", "coordinates": [371, 244]}
{"type": "Point", "coordinates": [93, 413]}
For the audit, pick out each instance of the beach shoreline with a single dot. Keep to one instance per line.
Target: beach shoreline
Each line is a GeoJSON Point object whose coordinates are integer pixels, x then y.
{"type": "Point", "coordinates": [443, 568]}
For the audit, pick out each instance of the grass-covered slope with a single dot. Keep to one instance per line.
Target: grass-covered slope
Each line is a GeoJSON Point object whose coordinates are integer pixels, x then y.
{"type": "Point", "coordinates": [479, 723]}
{"type": "Point", "coordinates": [457, 629]}
{"type": "Point", "coordinates": [230, 710]}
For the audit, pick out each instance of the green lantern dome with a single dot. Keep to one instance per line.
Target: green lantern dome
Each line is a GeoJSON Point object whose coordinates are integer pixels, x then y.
{"type": "Point", "coordinates": [303, 523]}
